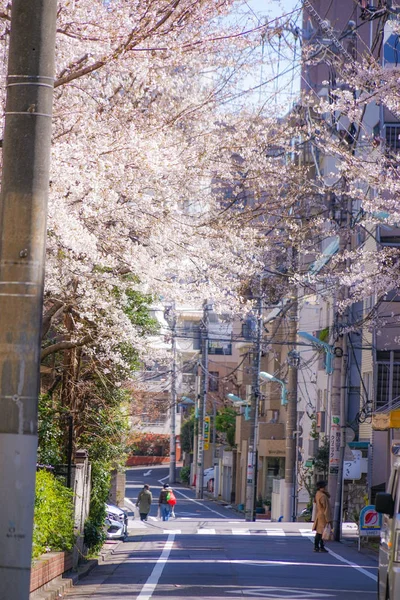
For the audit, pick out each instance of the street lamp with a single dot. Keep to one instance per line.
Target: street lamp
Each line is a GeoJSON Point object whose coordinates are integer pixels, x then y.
{"type": "Point", "coordinates": [239, 402]}
{"type": "Point", "coordinates": [185, 401]}
{"type": "Point", "coordinates": [269, 377]}
{"type": "Point", "coordinates": [326, 347]}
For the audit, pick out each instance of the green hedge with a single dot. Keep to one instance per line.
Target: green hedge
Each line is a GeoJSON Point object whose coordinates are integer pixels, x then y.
{"type": "Point", "coordinates": [53, 526]}
{"type": "Point", "coordinates": [185, 474]}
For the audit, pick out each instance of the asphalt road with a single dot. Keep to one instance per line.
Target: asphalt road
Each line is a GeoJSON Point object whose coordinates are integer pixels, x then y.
{"type": "Point", "coordinates": [210, 552]}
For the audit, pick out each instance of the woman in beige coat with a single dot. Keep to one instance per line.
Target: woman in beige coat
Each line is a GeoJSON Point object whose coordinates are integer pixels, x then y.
{"type": "Point", "coordinates": [323, 515]}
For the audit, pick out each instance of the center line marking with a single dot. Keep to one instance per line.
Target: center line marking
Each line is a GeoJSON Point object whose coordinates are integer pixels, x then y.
{"type": "Point", "coordinates": [151, 583]}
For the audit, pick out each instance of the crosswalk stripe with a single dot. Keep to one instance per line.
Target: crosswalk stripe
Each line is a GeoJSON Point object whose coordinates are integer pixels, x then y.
{"type": "Point", "coordinates": [275, 532]}
{"type": "Point", "coordinates": [206, 531]}
{"type": "Point", "coordinates": [172, 531]}
{"type": "Point", "coordinates": [306, 532]}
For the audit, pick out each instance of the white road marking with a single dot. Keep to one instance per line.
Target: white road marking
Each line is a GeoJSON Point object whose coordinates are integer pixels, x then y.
{"type": "Point", "coordinates": [354, 565]}
{"type": "Point", "coordinates": [275, 593]}
{"type": "Point", "coordinates": [130, 503]}
{"type": "Point", "coordinates": [240, 532]}
{"type": "Point", "coordinates": [136, 524]}
{"type": "Point", "coordinates": [306, 532]}
{"type": "Point", "coordinates": [275, 532]}
{"type": "Point", "coordinates": [206, 531]}
{"type": "Point", "coordinates": [151, 583]}
{"type": "Point", "coordinates": [288, 563]}
{"type": "Point", "coordinates": [147, 473]}
{"type": "Point", "coordinates": [174, 531]}
{"type": "Point", "coordinates": [200, 504]}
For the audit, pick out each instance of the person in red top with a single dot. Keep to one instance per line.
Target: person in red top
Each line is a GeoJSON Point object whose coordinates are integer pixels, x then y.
{"type": "Point", "coordinates": [165, 508]}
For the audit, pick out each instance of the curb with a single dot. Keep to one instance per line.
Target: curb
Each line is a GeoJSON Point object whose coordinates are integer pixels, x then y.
{"type": "Point", "coordinates": [55, 589]}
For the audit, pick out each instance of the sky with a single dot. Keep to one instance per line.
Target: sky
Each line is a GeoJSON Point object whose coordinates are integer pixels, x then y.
{"type": "Point", "coordinates": [278, 77]}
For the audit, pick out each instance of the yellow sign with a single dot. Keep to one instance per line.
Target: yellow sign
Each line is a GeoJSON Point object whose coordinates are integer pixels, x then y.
{"type": "Point", "coordinates": [394, 419]}
{"type": "Point", "coordinates": [206, 433]}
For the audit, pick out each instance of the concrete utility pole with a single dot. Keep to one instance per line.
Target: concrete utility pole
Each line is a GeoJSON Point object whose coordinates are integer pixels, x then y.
{"type": "Point", "coordinates": [23, 211]}
{"type": "Point", "coordinates": [172, 440]}
{"type": "Point", "coordinates": [196, 423]}
{"type": "Point", "coordinates": [252, 457]}
{"type": "Point", "coordinates": [291, 416]}
{"type": "Point", "coordinates": [339, 397]}
{"type": "Point", "coordinates": [202, 406]}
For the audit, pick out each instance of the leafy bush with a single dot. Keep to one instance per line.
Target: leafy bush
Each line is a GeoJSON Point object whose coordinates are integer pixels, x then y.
{"type": "Point", "coordinates": [149, 444]}
{"type": "Point", "coordinates": [226, 424]}
{"type": "Point", "coordinates": [185, 474]}
{"type": "Point", "coordinates": [53, 527]}
{"type": "Point", "coordinates": [51, 429]}
{"type": "Point", "coordinates": [187, 434]}
{"type": "Point", "coordinates": [94, 527]}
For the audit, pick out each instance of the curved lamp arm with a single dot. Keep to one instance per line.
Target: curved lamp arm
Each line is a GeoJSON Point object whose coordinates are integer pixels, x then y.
{"type": "Point", "coordinates": [328, 349]}
{"type": "Point", "coordinates": [268, 377]}
{"type": "Point", "coordinates": [239, 402]}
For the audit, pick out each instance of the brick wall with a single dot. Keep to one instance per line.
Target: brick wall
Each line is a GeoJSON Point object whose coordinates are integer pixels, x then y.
{"type": "Point", "coordinates": [48, 567]}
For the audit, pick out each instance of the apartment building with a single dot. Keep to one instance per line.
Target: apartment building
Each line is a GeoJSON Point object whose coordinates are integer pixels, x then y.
{"type": "Point", "coordinates": [372, 360]}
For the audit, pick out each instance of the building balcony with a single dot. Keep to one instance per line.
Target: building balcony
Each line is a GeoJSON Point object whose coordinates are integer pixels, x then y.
{"type": "Point", "coordinates": [273, 403]}
{"type": "Point", "coordinates": [271, 431]}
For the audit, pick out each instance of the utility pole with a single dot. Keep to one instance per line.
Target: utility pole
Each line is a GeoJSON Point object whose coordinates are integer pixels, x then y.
{"type": "Point", "coordinates": [196, 422]}
{"type": "Point", "coordinates": [202, 406]}
{"type": "Point", "coordinates": [23, 212]}
{"type": "Point", "coordinates": [339, 395]}
{"type": "Point", "coordinates": [252, 458]}
{"type": "Point", "coordinates": [291, 415]}
{"type": "Point", "coordinates": [172, 439]}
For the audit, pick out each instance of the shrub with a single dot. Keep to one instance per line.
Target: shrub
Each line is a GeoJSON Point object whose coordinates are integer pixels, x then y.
{"type": "Point", "coordinates": [149, 444]}
{"type": "Point", "coordinates": [185, 474]}
{"type": "Point", "coordinates": [94, 526]}
{"type": "Point", "coordinates": [53, 527]}
{"type": "Point", "coordinates": [187, 434]}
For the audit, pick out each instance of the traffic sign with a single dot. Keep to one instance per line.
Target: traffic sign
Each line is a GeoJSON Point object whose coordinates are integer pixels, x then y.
{"type": "Point", "coordinates": [370, 521]}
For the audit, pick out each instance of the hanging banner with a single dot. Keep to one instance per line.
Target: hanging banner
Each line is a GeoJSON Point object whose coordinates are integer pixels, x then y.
{"type": "Point", "coordinates": [334, 445]}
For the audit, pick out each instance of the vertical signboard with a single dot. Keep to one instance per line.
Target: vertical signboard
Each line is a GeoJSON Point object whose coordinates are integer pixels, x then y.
{"type": "Point", "coordinates": [206, 433]}
{"type": "Point", "coordinates": [334, 446]}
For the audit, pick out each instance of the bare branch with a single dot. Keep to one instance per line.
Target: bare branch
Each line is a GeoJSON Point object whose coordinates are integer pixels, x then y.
{"type": "Point", "coordinates": [65, 346]}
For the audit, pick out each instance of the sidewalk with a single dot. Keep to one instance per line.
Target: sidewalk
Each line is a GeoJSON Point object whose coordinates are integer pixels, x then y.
{"type": "Point", "coordinates": [56, 588]}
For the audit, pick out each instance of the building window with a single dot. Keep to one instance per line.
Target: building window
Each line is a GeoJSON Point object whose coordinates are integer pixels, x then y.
{"type": "Point", "coordinates": [388, 378]}
{"type": "Point", "coordinates": [213, 381]}
{"type": "Point", "coordinates": [224, 348]}
{"type": "Point", "coordinates": [392, 136]}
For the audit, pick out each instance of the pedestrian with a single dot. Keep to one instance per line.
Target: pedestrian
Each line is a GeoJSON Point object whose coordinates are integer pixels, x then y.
{"type": "Point", "coordinates": [323, 516]}
{"type": "Point", "coordinates": [163, 504]}
{"type": "Point", "coordinates": [144, 501]}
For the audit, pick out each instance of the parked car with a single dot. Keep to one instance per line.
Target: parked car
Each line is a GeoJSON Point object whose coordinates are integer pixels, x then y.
{"type": "Point", "coordinates": [388, 504]}
{"type": "Point", "coordinates": [304, 516]}
{"type": "Point", "coordinates": [116, 522]}
{"type": "Point", "coordinates": [208, 475]}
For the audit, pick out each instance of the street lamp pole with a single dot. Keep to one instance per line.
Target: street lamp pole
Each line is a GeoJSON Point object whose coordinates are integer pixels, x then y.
{"type": "Point", "coordinates": [202, 407]}
{"type": "Point", "coordinates": [252, 458]}
{"type": "Point", "coordinates": [172, 440]}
